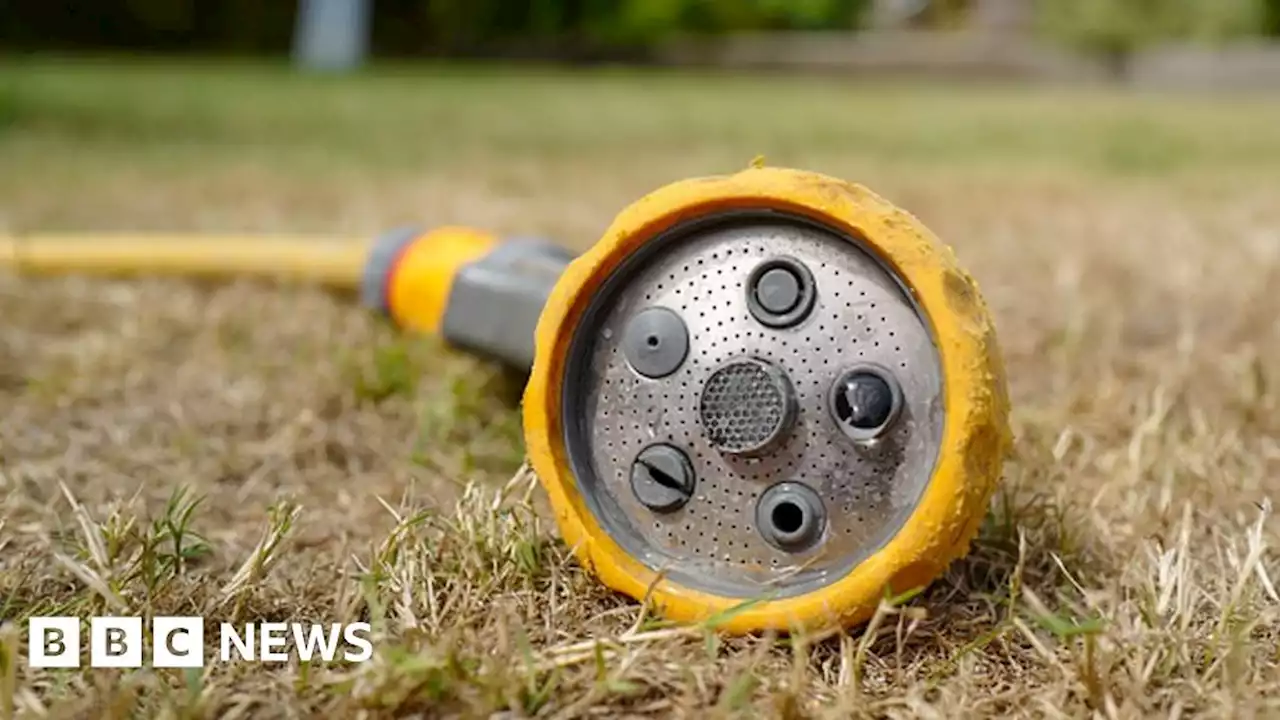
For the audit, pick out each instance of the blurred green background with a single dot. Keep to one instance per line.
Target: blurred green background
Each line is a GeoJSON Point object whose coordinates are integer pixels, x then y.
{"type": "Point", "coordinates": [583, 29]}
{"type": "Point", "coordinates": [186, 113]}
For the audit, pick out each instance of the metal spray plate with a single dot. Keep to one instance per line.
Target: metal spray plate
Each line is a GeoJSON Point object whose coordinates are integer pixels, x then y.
{"type": "Point", "coordinates": [861, 314]}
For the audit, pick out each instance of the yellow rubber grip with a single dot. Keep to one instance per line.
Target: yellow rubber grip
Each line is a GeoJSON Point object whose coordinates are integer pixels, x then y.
{"type": "Point", "coordinates": [422, 275]}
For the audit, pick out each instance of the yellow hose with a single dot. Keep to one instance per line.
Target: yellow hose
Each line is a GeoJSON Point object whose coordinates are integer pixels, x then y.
{"type": "Point", "coordinates": [335, 262]}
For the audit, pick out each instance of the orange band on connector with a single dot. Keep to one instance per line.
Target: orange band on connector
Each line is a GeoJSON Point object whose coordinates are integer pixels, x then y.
{"type": "Point", "coordinates": [421, 276]}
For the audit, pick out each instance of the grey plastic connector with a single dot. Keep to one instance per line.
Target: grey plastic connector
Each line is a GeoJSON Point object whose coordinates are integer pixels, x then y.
{"type": "Point", "coordinates": [495, 302]}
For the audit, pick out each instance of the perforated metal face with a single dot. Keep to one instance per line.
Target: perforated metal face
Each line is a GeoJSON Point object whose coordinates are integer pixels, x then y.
{"type": "Point", "coordinates": [750, 406]}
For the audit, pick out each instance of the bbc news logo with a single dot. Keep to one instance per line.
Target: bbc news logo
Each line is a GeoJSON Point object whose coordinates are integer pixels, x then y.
{"type": "Point", "coordinates": [178, 642]}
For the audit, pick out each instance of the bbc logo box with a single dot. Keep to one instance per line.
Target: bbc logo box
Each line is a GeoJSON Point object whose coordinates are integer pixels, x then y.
{"type": "Point", "coordinates": [176, 642]}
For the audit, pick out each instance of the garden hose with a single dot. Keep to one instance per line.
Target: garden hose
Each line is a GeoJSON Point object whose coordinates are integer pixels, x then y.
{"type": "Point", "coordinates": [767, 399]}
{"type": "Point", "coordinates": [481, 294]}
{"type": "Point", "coordinates": [330, 261]}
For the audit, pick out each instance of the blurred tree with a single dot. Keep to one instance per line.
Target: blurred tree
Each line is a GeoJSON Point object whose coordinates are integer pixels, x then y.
{"type": "Point", "coordinates": [1115, 29]}
{"type": "Point", "coordinates": [252, 26]}
{"type": "Point", "coordinates": [1221, 19]}
{"type": "Point", "coordinates": [1005, 16]}
{"type": "Point", "coordinates": [162, 17]}
{"type": "Point", "coordinates": [570, 26]}
{"type": "Point", "coordinates": [587, 28]}
{"type": "Point", "coordinates": [1271, 17]}
{"type": "Point", "coordinates": [409, 27]}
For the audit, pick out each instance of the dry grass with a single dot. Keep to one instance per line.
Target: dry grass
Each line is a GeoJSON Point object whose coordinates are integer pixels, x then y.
{"type": "Point", "coordinates": [255, 453]}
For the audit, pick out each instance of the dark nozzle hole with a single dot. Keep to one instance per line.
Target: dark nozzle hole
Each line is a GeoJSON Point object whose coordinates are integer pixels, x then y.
{"type": "Point", "coordinates": [791, 517]}
{"type": "Point", "coordinates": [864, 401]}
{"type": "Point", "coordinates": [652, 341]}
{"type": "Point", "coordinates": [787, 517]}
